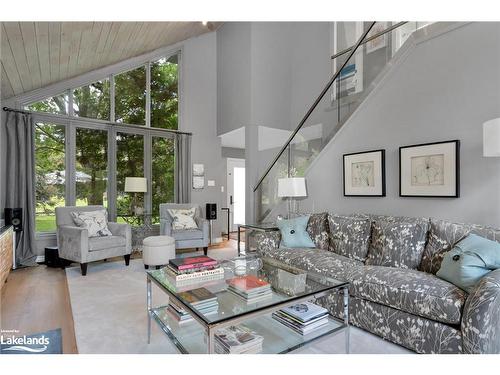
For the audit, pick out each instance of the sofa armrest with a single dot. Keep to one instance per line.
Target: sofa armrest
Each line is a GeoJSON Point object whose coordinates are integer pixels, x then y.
{"type": "Point", "coordinates": [73, 243]}
{"type": "Point", "coordinates": [481, 316]}
{"type": "Point", "coordinates": [266, 242]}
{"type": "Point", "coordinates": [203, 225]}
{"type": "Point", "coordinates": [165, 227]}
{"type": "Point", "coordinates": [122, 230]}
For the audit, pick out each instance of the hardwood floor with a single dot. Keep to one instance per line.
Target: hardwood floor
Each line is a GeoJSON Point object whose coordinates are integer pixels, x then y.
{"type": "Point", "coordinates": [36, 299]}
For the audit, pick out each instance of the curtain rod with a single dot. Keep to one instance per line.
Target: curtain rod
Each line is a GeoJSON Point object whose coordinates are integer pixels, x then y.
{"type": "Point", "coordinates": [7, 109]}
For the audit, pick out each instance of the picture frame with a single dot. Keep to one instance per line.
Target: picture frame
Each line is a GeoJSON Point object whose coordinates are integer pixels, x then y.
{"type": "Point", "coordinates": [198, 176]}
{"type": "Point", "coordinates": [430, 170]}
{"type": "Point", "coordinates": [364, 174]}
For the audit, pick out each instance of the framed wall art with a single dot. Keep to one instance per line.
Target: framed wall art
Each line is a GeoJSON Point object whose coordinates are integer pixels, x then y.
{"type": "Point", "coordinates": [430, 170]}
{"type": "Point", "coordinates": [198, 176]}
{"type": "Point", "coordinates": [364, 174]}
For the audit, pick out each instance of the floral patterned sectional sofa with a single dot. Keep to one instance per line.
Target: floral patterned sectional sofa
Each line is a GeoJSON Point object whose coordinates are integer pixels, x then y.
{"type": "Point", "coordinates": [391, 264]}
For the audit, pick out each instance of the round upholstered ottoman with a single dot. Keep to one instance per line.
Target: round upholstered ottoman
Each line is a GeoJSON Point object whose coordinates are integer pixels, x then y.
{"type": "Point", "coordinates": [157, 250]}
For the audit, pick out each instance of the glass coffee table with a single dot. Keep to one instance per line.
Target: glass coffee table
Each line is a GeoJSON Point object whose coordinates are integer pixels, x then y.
{"type": "Point", "coordinates": [289, 286]}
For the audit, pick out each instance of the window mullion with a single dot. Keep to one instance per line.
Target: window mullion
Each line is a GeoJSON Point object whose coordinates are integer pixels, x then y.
{"type": "Point", "coordinates": [148, 94]}
{"type": "Point", "coordinates": [112, 98]}
{"type": "Point", "coordinates": [71, 164]}
{"type": "Point", "coordinates": [148, 171]}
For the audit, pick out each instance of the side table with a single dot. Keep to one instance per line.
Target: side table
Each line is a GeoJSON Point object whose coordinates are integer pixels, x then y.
{"type": "Point", "coordinates": [262, 227]}
{"type": "Point", "coordinates": [142, 226]}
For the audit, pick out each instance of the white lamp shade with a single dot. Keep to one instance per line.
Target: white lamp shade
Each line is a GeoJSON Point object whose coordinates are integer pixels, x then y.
{"type": "Point", "coordinates": [491, 138]}
{"type": "Point", "coordinates": [292, 187]}
{"type": "Point", "coordinates": [136, 185]}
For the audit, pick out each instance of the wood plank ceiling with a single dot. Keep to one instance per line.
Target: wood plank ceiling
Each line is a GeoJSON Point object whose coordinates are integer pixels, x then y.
{"type": "Point", "coordinates": [36, 54]}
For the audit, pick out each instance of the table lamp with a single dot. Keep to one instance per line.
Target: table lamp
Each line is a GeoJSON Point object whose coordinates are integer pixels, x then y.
{"type": "Point", "coordinates": [292, 188]}
{"type": "Point", "coordinates": [136, 185]}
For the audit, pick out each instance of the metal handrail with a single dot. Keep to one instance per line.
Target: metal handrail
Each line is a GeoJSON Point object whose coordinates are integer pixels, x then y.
{"type": "Point", "coordinates": [315, 104]}
{"type": "Point", "coordinates": [374, 36]}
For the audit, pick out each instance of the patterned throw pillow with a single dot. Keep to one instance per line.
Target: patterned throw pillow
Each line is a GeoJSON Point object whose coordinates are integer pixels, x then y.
{"type": "Point", "coordinates": [350, 236]}
{"type": "Point", "coordinates": [317, 228]}
{"type": "Point", "coordinates": [397, 243]}
{"type": "Point", "coordinates": [95, 222]}
{"type": "Point", "coordinates": [444, 235]}
{"type": "Point", "coordinates": [183, 218]}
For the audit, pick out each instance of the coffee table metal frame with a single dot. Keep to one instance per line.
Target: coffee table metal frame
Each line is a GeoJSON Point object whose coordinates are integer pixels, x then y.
{"type": "Point", "coordinates": [210, 328]}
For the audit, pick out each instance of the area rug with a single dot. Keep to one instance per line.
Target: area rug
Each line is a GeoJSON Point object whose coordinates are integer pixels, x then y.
{"type": "Point", "coordinates": [109, 313]}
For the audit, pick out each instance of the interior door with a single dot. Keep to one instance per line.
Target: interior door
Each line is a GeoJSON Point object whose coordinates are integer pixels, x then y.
{"type": "Point", "coordinates": [236, 192]}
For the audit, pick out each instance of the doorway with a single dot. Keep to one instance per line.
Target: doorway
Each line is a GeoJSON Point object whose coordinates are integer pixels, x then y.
{"type": "Point", "coordinates": [236, 192]}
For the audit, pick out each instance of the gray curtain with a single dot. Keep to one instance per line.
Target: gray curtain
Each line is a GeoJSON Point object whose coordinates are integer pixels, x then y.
{"type": "Point", "coordinates": [20, 180]}
{"type": "Point", "coordinates": [183, 168]}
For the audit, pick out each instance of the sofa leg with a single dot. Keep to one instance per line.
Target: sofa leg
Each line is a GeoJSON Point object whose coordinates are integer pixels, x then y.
{"type": "Point", "coordinates": [127, 259]}
{"type": "Point", "coordinates": [205, 250]}
{"type": "Point", "coordinates": [83, 267]}
{"type": "Point", "coordinates": [146, 266]}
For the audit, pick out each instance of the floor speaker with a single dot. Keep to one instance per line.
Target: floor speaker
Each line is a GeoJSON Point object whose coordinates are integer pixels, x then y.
{"type": "Point", "coordinates": [211, 211]}
{"type": "Point", "coordinates": [14, 217]}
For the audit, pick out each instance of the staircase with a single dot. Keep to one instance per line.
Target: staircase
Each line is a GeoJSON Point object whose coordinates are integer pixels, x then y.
{"type": "Point", "coordinates": [357, 71]}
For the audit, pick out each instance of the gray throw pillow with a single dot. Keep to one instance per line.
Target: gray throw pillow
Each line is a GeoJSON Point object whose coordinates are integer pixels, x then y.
{"type": "Point", "coordinates": [397, 243]}
{"type": "Point", "coordinates": [350, 236]}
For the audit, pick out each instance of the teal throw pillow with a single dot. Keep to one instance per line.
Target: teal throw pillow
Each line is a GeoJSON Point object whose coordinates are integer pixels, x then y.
{"type": "Point", "coordinates": [470, 260]}
{"type": "Point", "coordinates": [294, 233]}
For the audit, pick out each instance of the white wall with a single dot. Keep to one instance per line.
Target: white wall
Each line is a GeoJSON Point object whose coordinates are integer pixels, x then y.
{"type": "Point", "coordinates": [199, 116]}
{"type": "Point", "coordinates": [445, 89]}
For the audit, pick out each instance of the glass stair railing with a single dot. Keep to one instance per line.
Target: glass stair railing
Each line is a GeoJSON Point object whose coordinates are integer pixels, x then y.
{"type": "Point", "coordinates": [356, 68]}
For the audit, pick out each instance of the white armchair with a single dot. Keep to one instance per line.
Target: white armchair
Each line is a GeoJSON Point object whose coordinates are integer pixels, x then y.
{"type": "Point", "coordinates": [75, 245]}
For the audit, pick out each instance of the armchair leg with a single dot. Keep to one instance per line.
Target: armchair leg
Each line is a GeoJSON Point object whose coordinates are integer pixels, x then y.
{"type": "Point", "coordinates": [146, 266]}
{"type": "Point", "coordinates": [205, 250]}
{"type": "Point", "coordinates": [127, 259]}
{"type": "Point", "coordinates": [83, 267]}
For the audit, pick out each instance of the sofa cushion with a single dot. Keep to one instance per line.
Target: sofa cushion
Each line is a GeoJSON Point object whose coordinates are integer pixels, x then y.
{"type": "Point", "coordinates": [443, 235]}
{"type": "Point", "coordinates": [350, 235]}
{"type": "Point", "coordinates": [317, 228]}
{"type": "Point", "coordinates": [316, 260]}
{"type": "Point", "coordinates": [397, 242]}
{"type": "Point", "coordinates": [411, 291]}
{"type": "Point", "coordinates": [187, 234]}
{"type": "Point", "coordinates": [108, 242]}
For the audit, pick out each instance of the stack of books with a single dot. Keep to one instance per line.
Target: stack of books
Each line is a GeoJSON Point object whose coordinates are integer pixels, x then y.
{"type": "Point", "coordinates": [202, 300]}
{"type": "Point", "coordinates": [193, 268]}
{"type": "Point", "coordinates": [250, 288]}
{"type": "Point", "coordinates": [304, 318]}
{"type": "Point", "coordinates": [179, 315]}
{"type": "Point", "coordinates": [237, 340]}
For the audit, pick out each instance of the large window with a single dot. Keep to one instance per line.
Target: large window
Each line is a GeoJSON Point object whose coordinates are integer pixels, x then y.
{"type": "Point", "coordinates": [130, 97]}
{"type": "Point", "coordinates": [164, 93]}
{"type": "Point", "coordinates": [163, 169]}
{"type": "Point", "coordinates": [129, 163]}
{"type": "Point", "coordinates": [58, 104]}
{"type": "Point", "coordinates": [50, 174]}
{"type": "Point", "coordinates": [82, 159]}
{"type": "Point", "coordinates": [91, 167]}
{"type": "Point", "coordinates": [92, 101]}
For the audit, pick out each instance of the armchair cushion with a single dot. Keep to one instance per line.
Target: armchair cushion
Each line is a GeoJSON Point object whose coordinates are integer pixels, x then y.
{"type": "Point", "coordinates": [94, 221]}
{"type": "Point", "coordinates": [187, 234]}
{"type": "Point", "coordinates": [108, 242]}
